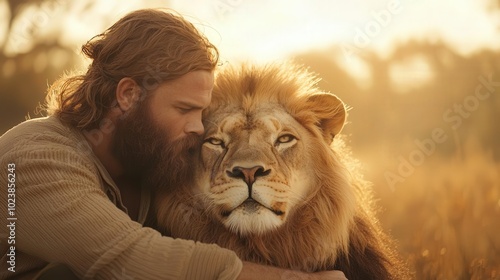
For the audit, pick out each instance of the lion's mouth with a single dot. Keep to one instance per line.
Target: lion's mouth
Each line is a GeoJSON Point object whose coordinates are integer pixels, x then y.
{"type": "Point", "coordinates": [251, 206]}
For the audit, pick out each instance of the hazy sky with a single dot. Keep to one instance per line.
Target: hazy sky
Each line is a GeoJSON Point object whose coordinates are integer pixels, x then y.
{"type": "Point", "coordinates": [268, 30]}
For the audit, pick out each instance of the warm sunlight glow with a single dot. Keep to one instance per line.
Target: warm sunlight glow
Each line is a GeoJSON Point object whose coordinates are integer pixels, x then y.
{"type": "Point", "coordinates": [265, 30]}
{"type": "Point", "coordinates": [4, 13]}
{"type": "Point", "coordinates": [357, 68]}
{"type": "Point", "coordinates": [272, 30]}
{"type": "Point", "coordinates": [410, 73]}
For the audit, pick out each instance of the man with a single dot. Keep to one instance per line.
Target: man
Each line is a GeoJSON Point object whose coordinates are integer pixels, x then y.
{"type": "Point", "coordinates": [74, 184]}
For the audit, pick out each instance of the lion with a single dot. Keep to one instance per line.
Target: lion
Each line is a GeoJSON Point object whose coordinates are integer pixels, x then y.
{"type": "Point", "coordinates": [275, 182]}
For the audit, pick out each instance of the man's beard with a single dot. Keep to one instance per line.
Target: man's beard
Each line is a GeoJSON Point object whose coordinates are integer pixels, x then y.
{"type": "Point", "coordinates": [149, 157]}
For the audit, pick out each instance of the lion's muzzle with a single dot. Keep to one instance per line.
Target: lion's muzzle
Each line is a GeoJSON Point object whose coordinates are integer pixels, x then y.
{"type": "Point", "coordinates": [249, 175]}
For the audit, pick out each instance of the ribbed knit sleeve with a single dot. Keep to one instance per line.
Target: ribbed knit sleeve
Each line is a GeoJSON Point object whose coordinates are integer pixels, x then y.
{"type": "Point", "coordinates": [64, 216]}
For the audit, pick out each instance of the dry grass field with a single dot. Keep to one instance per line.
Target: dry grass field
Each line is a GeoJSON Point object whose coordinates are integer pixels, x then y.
{"type": "Point", "coordinates": [446, 215]}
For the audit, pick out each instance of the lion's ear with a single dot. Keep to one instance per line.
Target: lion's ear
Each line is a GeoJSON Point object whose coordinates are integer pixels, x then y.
{"type": "Point", "coordinates": [331, 113]}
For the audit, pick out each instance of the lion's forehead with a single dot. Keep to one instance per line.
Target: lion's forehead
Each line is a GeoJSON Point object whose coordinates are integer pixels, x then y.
{"type": "Point", "coordinates": [265, 121]}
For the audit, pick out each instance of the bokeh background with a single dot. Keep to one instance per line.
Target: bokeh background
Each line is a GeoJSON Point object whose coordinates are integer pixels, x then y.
{"type": "Point", "coordinates": [422, 79]}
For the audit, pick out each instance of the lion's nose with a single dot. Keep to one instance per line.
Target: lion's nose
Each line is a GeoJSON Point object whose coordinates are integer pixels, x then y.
{"type": "Point", "coordinates": [248, 174]}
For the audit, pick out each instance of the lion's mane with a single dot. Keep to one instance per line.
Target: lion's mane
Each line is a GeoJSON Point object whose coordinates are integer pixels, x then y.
{"type": "Point", "coordinates": [335, 227]}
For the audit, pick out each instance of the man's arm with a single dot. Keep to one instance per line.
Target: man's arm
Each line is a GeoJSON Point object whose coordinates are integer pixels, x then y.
{"type": "Point", "coordinates": [63, 216]}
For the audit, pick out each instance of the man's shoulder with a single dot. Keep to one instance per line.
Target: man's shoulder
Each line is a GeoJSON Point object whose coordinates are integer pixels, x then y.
{"type": "Point", "coordinates": [47, 131]}
{"type": "Point", "coordinates": [36, 125]}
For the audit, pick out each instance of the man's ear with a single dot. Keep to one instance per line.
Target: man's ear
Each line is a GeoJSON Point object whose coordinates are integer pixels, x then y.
{"type": "Point", "coordinates": [330, 112]}
{"type": "Point", "coordinates": [127, 93]}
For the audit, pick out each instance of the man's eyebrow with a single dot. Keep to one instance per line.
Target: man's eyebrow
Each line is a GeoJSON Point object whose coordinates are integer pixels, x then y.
{"type": "Point", "coordinates": [189, 104]}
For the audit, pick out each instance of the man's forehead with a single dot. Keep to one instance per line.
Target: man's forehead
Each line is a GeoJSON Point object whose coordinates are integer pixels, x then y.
{"type": "Point", "coordinates": [195, 99]}
{"type": "Point", "coordinates": [196, 87]}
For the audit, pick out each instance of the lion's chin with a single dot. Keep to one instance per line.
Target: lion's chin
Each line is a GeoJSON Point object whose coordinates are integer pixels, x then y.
{"type": "Point", "coordinates": [252, 218]}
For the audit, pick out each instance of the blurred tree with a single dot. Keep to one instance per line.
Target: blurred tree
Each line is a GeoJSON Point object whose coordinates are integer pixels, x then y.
{"type": "Point", "coordinates": [385, 119]}
{"type": "Point", "coordinates": [32, 55]}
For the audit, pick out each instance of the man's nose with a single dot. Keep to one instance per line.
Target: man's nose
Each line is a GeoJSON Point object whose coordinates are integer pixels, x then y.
{"type": "Point", "coordinates": [195, 127]}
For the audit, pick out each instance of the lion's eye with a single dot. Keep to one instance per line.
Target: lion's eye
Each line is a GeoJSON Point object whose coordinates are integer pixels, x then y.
{"type": "Point", "coordinates": [214, 141]}
{"type": "Point", "coordinates": [286, 138]}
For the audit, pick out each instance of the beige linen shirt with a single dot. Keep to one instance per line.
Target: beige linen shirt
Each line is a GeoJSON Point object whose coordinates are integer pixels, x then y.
{"type": "Point", "coordinates": [67, 209]}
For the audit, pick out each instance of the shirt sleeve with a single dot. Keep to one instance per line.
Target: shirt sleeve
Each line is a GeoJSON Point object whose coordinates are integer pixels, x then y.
{"type": "Point", "coordinates": [64, 216]}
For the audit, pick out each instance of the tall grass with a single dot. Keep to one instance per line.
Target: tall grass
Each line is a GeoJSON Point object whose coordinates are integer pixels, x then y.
{"type": "Point", "coordinates": [446, 215]}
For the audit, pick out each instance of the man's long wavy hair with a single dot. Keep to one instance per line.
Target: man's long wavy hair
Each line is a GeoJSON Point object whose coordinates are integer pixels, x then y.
{"type": "Point", "coordinates": [150, 46]}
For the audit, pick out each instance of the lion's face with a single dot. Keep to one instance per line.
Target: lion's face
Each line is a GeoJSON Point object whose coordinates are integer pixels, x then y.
{"type": "Point", "coordinates": [254, 172]}
{"type": "Point", "coordinates": [257, 165]}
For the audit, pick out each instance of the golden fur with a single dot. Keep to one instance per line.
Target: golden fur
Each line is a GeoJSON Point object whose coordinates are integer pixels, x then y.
{"type": "Point", "coordinates": [275, 182]}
